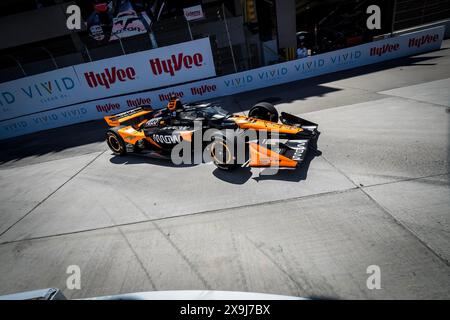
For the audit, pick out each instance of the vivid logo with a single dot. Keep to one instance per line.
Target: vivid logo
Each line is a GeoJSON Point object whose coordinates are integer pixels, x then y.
{"type": "Point", "coordinates": [175, 63]}
{"type": "Point", "coordinates": [42, 89]}
{"type": "Point", "coordinates": [275, 73]}
{"type": "Point", "coordinates": [7, 98]}
{"type": "Point", "coordinates": [15, 126]}
{"type": "Point", "coordinates": [348, 57]}
{"type": "Point", "coordinates": [74, 113]}
{"type": "Point", "coordinates": [310, 65]}
{"type": "Point", "coordinates": [109, 77]}
{"type": "Point", "coordinates": [240, 81]}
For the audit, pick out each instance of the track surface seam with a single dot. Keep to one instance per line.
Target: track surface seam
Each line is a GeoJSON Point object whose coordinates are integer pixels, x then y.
{"type": "Point", "coordinates": [51, 194]}
{"type": "Point", "coordinates": [10, 166]}
{"type": "Point", "coordinates": [390, 214]}
{"type": "Point", "coordinates": [219, 210]}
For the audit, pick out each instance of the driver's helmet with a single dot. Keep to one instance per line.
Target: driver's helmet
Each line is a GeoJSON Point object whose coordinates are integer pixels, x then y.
{"type": "Point", "coordinates": [174, 104]}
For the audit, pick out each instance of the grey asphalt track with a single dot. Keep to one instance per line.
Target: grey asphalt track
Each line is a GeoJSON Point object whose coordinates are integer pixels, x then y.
{"type": "Point", "coordinates": [377, 193]}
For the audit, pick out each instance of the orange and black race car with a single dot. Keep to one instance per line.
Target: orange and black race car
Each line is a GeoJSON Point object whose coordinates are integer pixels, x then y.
{"type": "Point", "coordinates": [208, 128]}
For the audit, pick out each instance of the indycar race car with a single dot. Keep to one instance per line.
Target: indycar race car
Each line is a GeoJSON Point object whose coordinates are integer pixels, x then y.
{"type": "Point", "coordinates": [265, 142]}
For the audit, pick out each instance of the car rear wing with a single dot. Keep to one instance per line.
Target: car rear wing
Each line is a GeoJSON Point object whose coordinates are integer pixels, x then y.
{"type": "Point", "coordinates": [123, 118]}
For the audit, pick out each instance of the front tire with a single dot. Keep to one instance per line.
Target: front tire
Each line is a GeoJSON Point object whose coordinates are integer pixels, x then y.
{"type": "Point", "coordinates": [115, 143]}
{"type": "Point", "coordinates": [221, 154]}
{"type": "Point", "coordinates": [264, 111]}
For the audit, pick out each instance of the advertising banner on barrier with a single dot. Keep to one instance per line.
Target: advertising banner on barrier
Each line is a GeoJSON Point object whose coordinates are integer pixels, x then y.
{"type": "Point", "coordinates": [369, 53]}
{"type": "Point", "coordinates": [39, 92]}
{"type": "Point", "coordinates": [109, 77]}
{"type": "Point", "coordinates": [374, 52]}
{"type": "Point", "coordinates": [147, 69]}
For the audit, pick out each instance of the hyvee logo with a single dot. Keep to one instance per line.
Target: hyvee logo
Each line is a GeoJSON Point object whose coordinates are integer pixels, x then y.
{"type": "Point", "coordinates": [379, 51]}
{"type": "Point", "coordinates": [107, 107]}
{"type": "Point", "coordinates": [427, 39]}
{"type": "Point", "coordinates": [175, 63]}
{"type": "Point", "coordinates": [201, 90]}
{"type": "Point", "coordinates": [139, 102]}
{"type": "Point", "coordinates": [109, 77]}
{"type": "Point", "coordinates": [167, 96]}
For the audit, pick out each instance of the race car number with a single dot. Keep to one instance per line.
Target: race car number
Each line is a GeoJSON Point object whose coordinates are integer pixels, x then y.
{"type": "Point", "coordinates": [299, 150]}
{"type": "Point", "coordinates": [166, 138]}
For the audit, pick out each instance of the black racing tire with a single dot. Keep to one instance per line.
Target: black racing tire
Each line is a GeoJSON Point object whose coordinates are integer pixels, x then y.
{"type": "Point", "coordinates": [264, 111]}
{"type": "Point", "coordinates": [220, 152]}
{"type": "Point", "coordinates": [116, 143]}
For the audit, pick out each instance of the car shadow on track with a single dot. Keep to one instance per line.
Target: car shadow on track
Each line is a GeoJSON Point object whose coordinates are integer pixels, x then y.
{"type": "Point", "coordinates": [137, 159]}
{"type": "Point", "coordinates": [240, 176]}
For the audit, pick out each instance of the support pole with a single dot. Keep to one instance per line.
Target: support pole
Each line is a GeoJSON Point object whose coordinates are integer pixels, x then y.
{"type": "Point", "coordinates": [229, 39]}
{"type": "Point", "coordinates": [189, 28]}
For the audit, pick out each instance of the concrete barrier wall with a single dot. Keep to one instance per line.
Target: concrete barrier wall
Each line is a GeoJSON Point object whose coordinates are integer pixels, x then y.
{"type": "Point", "coordinates": [374, 52]}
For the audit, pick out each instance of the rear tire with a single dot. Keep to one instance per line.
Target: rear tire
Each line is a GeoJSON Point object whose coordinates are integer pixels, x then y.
{"type": "Point", "coordinates": [264, 111]}
{"type": "Point", "coordinates": [115, 143]}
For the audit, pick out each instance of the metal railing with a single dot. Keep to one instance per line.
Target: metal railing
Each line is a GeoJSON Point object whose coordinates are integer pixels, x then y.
{"type": "Point", "coordinates": [411, 13]}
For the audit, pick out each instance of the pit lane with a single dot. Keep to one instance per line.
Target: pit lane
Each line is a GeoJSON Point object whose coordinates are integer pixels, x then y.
{"type": "Point", "coordinates": [377, 193]}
